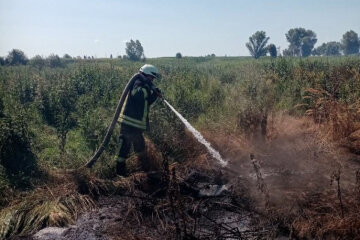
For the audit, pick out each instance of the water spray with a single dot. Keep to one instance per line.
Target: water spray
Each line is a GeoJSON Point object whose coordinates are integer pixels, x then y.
{"type": "Point", "coordinates": [215, 154]}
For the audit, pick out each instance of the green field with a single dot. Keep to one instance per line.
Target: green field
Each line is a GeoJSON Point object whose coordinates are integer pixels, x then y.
{"type": "Point", "coordinates": [55, 118]}
{"type": "Point", "coordinates": [61, 114]}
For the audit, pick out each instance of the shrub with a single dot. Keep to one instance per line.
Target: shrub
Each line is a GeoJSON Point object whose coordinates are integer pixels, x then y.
{"type": "Point", "coordinates": [16, 57]}
{"type": "Point", "coordinates": [93, 127]}
{"type": "Point", "coordinates": [2, 61]}
{"type": "Point", "coordinates": [67, 56]}
{"type": "Point", "coordinates": [54, 61]}
{"type": "Point", "coordinates": [16, 155]}
{"type": "Point", "coordinates": [38, 62]}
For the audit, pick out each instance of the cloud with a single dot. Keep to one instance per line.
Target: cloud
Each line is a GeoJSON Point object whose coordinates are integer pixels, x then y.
{"type": "Point", "coordinates": [96, 40]}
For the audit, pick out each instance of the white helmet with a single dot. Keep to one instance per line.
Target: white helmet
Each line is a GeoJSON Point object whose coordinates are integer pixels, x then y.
{"type": "Point", "coordinates": [150, 70]}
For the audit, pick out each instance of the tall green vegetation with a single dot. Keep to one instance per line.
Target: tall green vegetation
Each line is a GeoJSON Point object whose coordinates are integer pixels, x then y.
{"type": "Point", "coordinates": [257, 44]}
{"type": "Point", "coordinates": [16, 155]}
{"type": "Point", "coordinates": [56, 117]}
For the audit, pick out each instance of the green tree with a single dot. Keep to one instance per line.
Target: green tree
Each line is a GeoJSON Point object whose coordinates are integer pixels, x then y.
{"type": "Point", "coordinates": [287, 52]}
{"type": "Point", "coordinates": [63, 102]}
{"type": "Point", "coordinates": [328, 49]}
{"type": "Point", "coordinates": [271, 48]}
{"type": "Point", "coordinates": [333, 49]}
{"type": "Point", "coordinates": [301, 41]}
{"type": "Point", "coordinates": [134, 50]}
{"type": "Point", "coordinates": [257, 43]}
{"type": "Point", "coordinates": [38, 62]}
{"type": "Point", "coordinates": [54, 61]}
{"type": "Point", "coordinates": [59, 106]}
{"type": "Point", "coordinates": [350, 43]}
{"type": "Point", "coordinates": [16, 57]}
{"type": "Point", "coordinates": [2, 61]}
{"type": "Point", "coordinates": [178, 55]}
{"type": "Point", "coordinates": [67, 56]}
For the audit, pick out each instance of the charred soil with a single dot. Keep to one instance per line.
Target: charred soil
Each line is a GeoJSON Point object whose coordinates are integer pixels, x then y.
{"type": "Point", "coordinates": [294, 183]}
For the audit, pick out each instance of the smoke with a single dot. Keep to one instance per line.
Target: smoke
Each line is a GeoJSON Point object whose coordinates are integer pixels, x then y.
{"type": "Point", "coordinates": [298, 158]}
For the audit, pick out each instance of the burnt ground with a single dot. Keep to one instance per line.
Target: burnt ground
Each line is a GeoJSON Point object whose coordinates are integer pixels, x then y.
{"type": "Point", "coordinates": [198, 207]}
{"type": "Point", "coordinates": [252, 198]}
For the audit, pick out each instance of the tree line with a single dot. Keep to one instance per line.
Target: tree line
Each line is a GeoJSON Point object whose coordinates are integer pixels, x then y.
{"type": "Point", "coordinates": [134, 52]}
{"type": "Point", "coordinates": [301, 44]}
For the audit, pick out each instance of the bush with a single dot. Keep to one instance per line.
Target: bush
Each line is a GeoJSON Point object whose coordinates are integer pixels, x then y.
{"type": "Point", "coordinates": [2, 61]}
{"type": "Point", "coordinates": [93, 127]}
{"type": "Point", "coordinates": [54, 61]}
{"type": "Point", "coordinates": [178, 55]}
{"type": "Point", "coordinates": [16, 57]}
{"type": "Point", "coordinates": [38, 62]}
{"type": "Point", "coordinates": [16, 155]}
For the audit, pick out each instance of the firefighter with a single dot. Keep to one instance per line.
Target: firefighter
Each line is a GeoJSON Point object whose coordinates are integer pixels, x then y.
{"type": "Point", "coordinates": [134, 117]}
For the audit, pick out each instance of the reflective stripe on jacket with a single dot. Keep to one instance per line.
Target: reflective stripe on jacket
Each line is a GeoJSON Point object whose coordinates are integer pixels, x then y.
{"type": "Point", "coordinates": [135, 111]}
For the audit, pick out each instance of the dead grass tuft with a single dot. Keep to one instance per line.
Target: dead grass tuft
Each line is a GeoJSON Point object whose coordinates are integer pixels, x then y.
{"type": "Point", "coordinates": [320, 217]}
{"type": "Point", "coordinates": [57, 203]}
{"type": "Point", "coordinates": [339, 117]}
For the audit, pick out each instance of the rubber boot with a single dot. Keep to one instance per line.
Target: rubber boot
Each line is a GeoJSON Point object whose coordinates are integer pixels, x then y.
{"type": "Point", "coordinates": [144, 161]}
{"type": "Point", "coordinates": [121, 167]}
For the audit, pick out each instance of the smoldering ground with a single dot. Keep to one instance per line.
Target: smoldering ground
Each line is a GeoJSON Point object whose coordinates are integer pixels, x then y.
{"type": "Point", "coordinates": [282, 191]}
{"type": "Point", "coordinates": [308, 182]}
{"type": "Point", "coordinates": [294, 157]}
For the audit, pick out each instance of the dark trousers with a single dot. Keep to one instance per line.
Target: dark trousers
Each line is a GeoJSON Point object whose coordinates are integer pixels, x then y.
{"type": "Point", "coordinates": [129, 137]}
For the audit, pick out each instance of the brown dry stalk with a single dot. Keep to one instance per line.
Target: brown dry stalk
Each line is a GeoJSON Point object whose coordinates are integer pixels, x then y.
{"type": "Point", "coordinates": [336, 177]}
{"type": "Point", "coordinates": [260, 180]}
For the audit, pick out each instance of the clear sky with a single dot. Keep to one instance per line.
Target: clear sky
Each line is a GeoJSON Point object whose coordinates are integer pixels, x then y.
{"type": "Point", "coordinates": [164, 27]}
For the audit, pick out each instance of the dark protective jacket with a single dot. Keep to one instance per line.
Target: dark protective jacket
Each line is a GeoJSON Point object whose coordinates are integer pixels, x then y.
{"type": "Point", "coordinates": [135, 110]}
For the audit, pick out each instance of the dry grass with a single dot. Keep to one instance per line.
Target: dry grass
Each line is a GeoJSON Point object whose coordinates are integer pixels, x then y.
{"type": "Point", "coordinates": [309, 210]}
{"type": "Point", "coordinates": [320, 217]}
{"type": "Point", "coordinates": [57, 203]}
{"type": "Point", "coordinates": [339, 118]}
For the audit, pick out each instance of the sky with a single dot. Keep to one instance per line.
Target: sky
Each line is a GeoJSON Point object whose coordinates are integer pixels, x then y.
{"type": "Point", "coordinates": [164, 27]}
